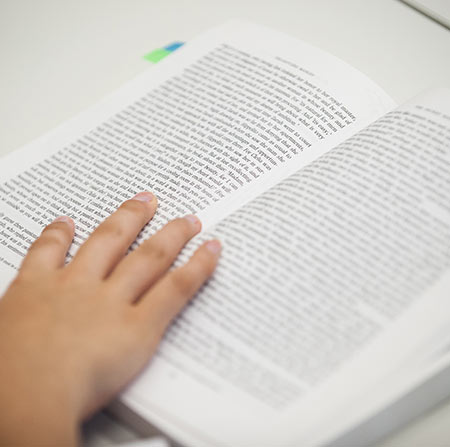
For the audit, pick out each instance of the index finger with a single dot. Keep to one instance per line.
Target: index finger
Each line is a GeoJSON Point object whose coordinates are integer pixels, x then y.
{"type": "Point", "coordinates": [110, 241]}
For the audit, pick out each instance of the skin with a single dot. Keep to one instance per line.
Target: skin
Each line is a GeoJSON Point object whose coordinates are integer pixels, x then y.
{"type": "Point", "coordinates": [72, 337]}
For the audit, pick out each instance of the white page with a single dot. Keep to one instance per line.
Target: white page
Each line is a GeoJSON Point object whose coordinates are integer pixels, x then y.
{"type": "Point", "coordinates": [380, 201]}
{"type": "Point", "coordinates": [416, 347]}
{"type": "Point", "coordinates": [130, 141]}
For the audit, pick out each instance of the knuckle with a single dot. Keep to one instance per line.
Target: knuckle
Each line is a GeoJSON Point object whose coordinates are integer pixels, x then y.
{"type": "Point", "coordinates": [134, 206]}
{"type": "Point", "coordinates": [158, 251]}
{"type": "Point", "coordinates": [134, 209]}
{"type": "Point", "coordinates": [110, 228]}
{"type": "Point", "coordinates": [22, 279]}
{"type": "Point", "coordinates": [201, 268]}
{"type": "Point", "coordinates": [52, 240]}
{"type": "Point", "coordinates": [55, 227]}
{"type": "Point", "coordinates": [182, 282]}
{"type": "Point", "coordinates": [181, 226]}
{"type": "Point", "coordinates": [55, 237]}
{"type": "Point", "coordinates": [68, 281]}
{"type": "Point", "coordinates": [128, 319]}
{"type": "Point", "coordinates": [35, 245]}
{"type": "Point", "coordinates": [46, 240]}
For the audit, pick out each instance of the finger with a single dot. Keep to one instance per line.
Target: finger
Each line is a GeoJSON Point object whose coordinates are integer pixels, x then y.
{"type": "Point", "coordinates": [168, 297]}
{"type": "Point", "coordinates": [142, 268]}
{"type": "Point", "coordinates": [110, 241]}
{"type": "Point", "coordinates": [49, 250]}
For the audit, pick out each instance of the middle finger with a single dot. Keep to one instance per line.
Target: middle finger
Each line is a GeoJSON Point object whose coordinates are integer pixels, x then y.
{"type": "Point", "coordinates": [142, 268]}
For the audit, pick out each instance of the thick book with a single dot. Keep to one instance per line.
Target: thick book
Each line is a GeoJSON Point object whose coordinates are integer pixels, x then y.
{"type": "Point", "coordinates": [327, 319]}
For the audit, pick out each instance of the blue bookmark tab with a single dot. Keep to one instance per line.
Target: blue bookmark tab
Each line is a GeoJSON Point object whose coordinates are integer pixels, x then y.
{"type": "Point", "coordinates": [173, 46]}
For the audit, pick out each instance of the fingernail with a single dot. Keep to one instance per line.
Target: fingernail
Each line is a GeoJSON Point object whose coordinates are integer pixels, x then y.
{"type": "Point", "coordinates": [214, 246]}
{"type": "Point", "coordinates": [144, 196]}
{"type": "Point", "coordinates": [65, 219]}
{"type": "Point", "coordinates": [193, 219]}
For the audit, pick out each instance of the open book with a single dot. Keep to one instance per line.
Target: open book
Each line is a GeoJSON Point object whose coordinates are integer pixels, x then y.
{"type": "Point", "coordinates": [331, 302]}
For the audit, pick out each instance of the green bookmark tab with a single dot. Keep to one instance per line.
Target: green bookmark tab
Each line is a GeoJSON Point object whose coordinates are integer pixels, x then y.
{"type": "Point", "coordinates": [156, 55]}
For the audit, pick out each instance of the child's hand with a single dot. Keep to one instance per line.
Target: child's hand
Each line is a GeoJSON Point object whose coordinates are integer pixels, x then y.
{"type": "Point", "coordinates": [73, 336]}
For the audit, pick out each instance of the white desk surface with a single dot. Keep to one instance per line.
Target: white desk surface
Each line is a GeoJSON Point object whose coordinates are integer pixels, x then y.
{"type": "Point", "coordinates": [58, 57]}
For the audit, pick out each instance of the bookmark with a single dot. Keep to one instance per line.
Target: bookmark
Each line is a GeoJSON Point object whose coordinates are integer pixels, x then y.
{"type": "Point", "coordinates": [160, 53]}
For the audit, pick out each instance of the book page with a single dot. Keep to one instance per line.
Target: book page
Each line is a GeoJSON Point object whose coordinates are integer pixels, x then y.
{"type": "Point", "coordinates": [206, 130]}
{"type": "Point", "coordinates": [415, 349]}
{"type": "Point", "coordinates": [299, 317]}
